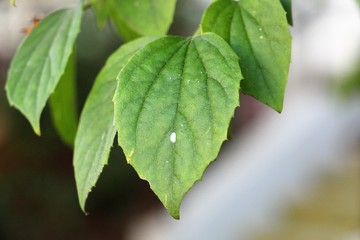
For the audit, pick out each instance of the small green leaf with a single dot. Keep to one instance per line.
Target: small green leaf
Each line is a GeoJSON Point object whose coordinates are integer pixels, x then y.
{"type": "Point", "coordinates": [142, 17]}
{"type": "Point", "coordinates": [173, 105]}
{"type": "Point", "coordinates": [96, 130]}
{"type": "Point", "coordinates": [13, 3]}
{"type": "Point", "coordinates": [63, 104]}
{"type": "Point", "coordinates": [40, 62]}
{"type": "Point", "coordinates": [258, 32]}
{"type": "Point", "coordinates": [287, 6]}
{"type": "Point", "coordinates": [101, 11]}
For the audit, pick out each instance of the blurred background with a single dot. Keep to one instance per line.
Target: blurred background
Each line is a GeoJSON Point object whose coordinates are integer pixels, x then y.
{"type": "Point", "coordinates": [289, 176]}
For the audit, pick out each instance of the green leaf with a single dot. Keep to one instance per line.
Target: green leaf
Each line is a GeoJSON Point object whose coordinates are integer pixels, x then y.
{"type": "Point", "coordinates": [40, 62]}
{"type": "Point", "coordinates": [96, 130]}
{"type": "Point", "coordinates": [287, 6]}
{"type": "Point", "coordinates": [142, 17]}
{"type": "Point", "coordinates": [126, 33]}
{"type": "Point", "coordinates": [101, 11]}
{"type": "Point", "coordinates": [258, 32]}
{"type": "Point", "coordinates": [63, 104]}
{"type": "Point", "coordinates": [173, 105]}
{"type": "Point", "coordinates": [13, 3]}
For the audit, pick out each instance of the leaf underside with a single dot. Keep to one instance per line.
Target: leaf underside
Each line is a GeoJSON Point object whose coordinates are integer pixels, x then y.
{"type": "Point", "coordinates": [258, 32]}
{"type": "Point", "coordinates": [63, 104]}
{"type": "Point", "coordinates": [96, 131]}
{"type": "Point", "coordinates": [173, 104]}
{"type": "Point", "coordinates": [40, 62]}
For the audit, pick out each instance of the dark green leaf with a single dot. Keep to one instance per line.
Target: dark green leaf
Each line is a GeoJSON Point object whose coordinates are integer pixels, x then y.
{"type": "Point", "coordinates": [63, 104]}
{"type": "Point", "coordinates": [287, 6]}
{"type": "Point", "coordinates": [258, 32]}
{"type": "Point", "coordinates": [40, 62]}
{"type": "Point", "coordinates": [96, 131]}
{"type": "Point", "coordinates": [173, 105]}
{"type": "Point", "coordinates": [142, 17]}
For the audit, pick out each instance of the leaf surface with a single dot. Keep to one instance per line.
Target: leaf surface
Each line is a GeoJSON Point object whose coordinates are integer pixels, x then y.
{"type": "Point", "coordinates": [173, 105]}
{"type": "Point", "coordinates": [258, 32]}
{"type": "Point", "coordinates": [63, 104]}
{"type": "Point", "coordinates": [142, 17]}
{"type": "Point", "coordinates": [40, 62]}
{"type": "Point", "coordinates": [96, 130]}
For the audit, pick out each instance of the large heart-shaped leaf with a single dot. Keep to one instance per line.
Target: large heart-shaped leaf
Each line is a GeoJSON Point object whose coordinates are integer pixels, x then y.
{"type": "Point", "coordinates": [40, 62]}
{"type": "Point", "coordinates": [258, 32]}
{"type": "Point", "coordinates": [173, 105]}
{"type": "Point", "coordinates": [142, 17]}
{"type": "Point", "coordinates": [96, 130]}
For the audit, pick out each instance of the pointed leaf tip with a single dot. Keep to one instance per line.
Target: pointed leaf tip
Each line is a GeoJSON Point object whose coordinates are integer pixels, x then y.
{"type": "Point", "coordinates": [37, 131]}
